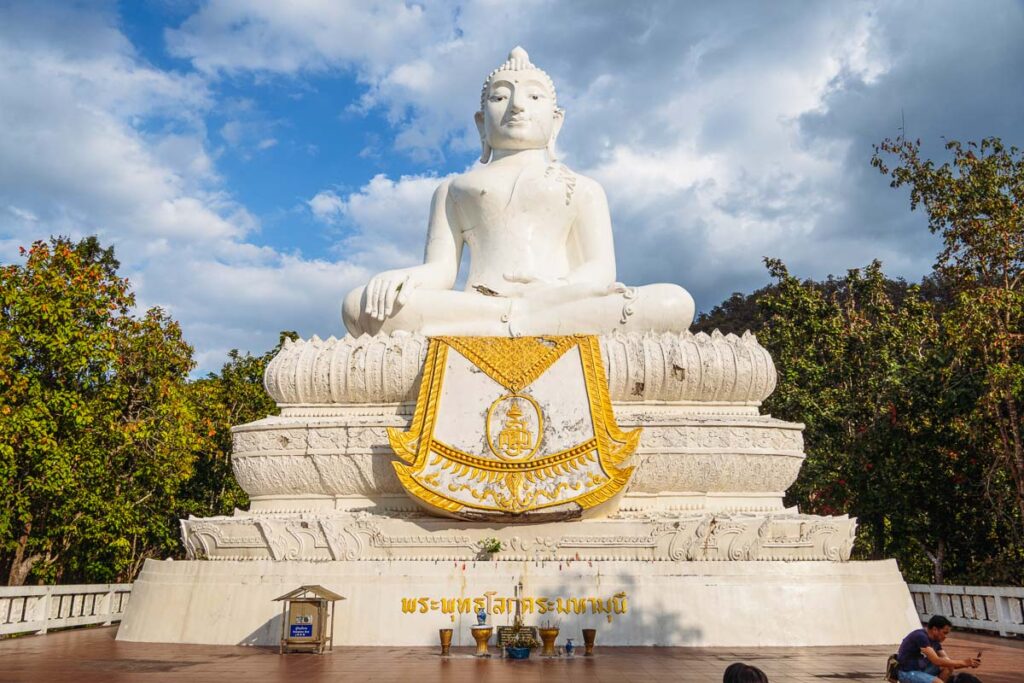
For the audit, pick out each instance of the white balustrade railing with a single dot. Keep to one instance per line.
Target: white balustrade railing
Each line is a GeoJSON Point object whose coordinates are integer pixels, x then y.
{"type": "Point", "coordinates": [36, 609]}
{"type": "Point", "coordinates": [986, 608]}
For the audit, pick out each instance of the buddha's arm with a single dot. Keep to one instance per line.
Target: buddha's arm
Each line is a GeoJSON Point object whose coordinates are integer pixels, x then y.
{"type": "Point", "coordinates": [439, 269]}
{"type": "Point", "coordinates": [444, 244]}
{"type": "Point", "coordinates": [592, 232]}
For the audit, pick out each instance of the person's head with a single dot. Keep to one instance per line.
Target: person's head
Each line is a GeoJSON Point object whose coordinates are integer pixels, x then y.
{"type": "Point", "coordinates": [518, 108]}
{"type": "Point", "coordinates": [938, 628]}
{"type": "Point", "coordinates": [743, 673]}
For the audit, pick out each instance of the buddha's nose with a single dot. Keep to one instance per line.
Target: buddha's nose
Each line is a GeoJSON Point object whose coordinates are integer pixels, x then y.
{"type": "Point", "coordinates": [517, 103]}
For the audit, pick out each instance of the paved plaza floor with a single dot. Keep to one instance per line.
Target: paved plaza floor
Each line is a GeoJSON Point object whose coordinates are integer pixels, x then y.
{"type": "Point", "coordinates": [87, 655]}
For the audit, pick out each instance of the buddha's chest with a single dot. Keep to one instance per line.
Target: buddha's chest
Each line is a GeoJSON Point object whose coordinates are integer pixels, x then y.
{"type": "Point", "coordinates": [530, 202]}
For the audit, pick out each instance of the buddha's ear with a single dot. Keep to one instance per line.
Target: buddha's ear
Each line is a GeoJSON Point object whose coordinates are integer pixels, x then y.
{"type": "Point", "coordinates": [485, 149]}
{"type": "Point", "coordinates": [558, 120]}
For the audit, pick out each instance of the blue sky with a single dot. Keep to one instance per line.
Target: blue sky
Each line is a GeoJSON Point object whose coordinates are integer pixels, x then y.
{"type": "Point", "coordinates": [253, 161]}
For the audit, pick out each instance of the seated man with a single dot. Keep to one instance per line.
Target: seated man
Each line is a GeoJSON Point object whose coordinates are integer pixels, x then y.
{"type": "Point", "coordinates": [539, 235]}
{"type": "Point", "coordinates": [922, 659]}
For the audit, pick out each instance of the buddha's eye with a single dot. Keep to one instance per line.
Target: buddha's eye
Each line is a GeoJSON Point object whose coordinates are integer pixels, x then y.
{"type": "Point", "coordinates": [534, 97]}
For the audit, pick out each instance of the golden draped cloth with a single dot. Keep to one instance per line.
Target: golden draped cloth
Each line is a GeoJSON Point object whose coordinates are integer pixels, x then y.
{"type": "Point", "coordinates": [513, 426]}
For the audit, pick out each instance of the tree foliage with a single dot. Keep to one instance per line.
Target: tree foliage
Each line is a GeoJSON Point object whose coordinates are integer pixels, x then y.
{"type": "Point", "coordinates": [95, 436]}
{"type": "Point", "coordinates": [976, 204]}
{"type": "Point", "coordinates": [104, 441]}
{"type": "Point", "coordinates": [231, 397]}
{"type": "Point", "coordinates": [911, 393]}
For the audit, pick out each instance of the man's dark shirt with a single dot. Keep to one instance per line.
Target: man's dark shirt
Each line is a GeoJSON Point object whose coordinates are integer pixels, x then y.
{"type": "Point", "coordinates": [910, 655]}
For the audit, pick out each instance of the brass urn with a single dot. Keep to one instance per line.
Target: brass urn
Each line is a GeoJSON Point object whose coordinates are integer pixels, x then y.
{"type": "Point", "coordinates": [547, 638]}
{"type": "Point", "coordinates": [481, 634]}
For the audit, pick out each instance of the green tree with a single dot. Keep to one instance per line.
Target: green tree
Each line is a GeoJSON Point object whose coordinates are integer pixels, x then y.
{"type": "Point", "coordinates": [976, 204]}
{"type": "Point", "coordinates": [233, 396]}
{"type": "Point", "coordinates": [860, 361]}
{"type": "Point", "coordinates": [95, 433]}
{"type": "Point", "coordinates": [737, 314]}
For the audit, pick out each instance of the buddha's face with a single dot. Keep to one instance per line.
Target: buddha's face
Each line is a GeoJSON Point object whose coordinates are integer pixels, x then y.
{"type": "Point", "coordinates": [519, 111]}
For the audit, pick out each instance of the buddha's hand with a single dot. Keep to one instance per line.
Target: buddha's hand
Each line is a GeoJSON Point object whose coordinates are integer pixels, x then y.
{"type": "Point", "coordinates": [386, 290]}
{"type": "Point", "coordinates": [524, 277]}
{"type": "Point", "coordinates": [534, 280]}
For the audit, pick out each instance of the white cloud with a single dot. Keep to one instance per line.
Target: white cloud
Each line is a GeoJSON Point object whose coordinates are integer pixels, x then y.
{"type": "Point", "coordinates": [231, 132]}
{"type": "Point", "coordinates": [689, 115]}
{"type": "Point", "coordinates": [286, 37]}
{"type": "Point", "coordinates": [23, 214]}
{"type": "Point", "coordinates": [97, 141]}
{"type": "Point", "coordinates": [386, 220]}
{"type": "Point", "coordinates": [73, 154]}
{"type": "Point", "coordinates": [721, 133]}
{"type": "Point", "coordinates": [326, 206]}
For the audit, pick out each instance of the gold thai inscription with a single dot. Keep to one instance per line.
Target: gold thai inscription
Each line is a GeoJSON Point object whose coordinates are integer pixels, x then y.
{"type": "Point", "coordinates": [616, 604]}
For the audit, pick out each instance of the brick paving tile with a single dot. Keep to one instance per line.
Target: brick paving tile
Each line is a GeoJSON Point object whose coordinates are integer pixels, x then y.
{"type": "Point", "coordinates": [92, 655]}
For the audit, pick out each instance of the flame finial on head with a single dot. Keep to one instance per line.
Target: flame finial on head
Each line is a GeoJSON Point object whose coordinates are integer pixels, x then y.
{"type": "Point", "coordinates": [518, 60]}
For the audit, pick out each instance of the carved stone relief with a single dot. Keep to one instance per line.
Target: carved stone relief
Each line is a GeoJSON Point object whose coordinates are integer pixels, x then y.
{"type": "Point", "coordinates": [293, 456]}
{"type": "Point", "coordinates": [641, 537]}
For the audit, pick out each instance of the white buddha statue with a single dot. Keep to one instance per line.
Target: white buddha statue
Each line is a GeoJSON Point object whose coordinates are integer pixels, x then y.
{"type": "Point", "coordinates": [539, 236]}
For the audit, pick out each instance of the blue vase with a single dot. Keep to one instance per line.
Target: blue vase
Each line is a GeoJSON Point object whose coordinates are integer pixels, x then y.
{"type": "Point", "coordinates": [569, 646]}
{"type": "Point", "coordinates": [517, 652]}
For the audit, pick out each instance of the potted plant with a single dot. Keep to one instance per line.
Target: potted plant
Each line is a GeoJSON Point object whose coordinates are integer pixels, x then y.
{"type": "Point", "coordinates": [488, 547]}
{"type": "Point", "coordinates": [521, 644]}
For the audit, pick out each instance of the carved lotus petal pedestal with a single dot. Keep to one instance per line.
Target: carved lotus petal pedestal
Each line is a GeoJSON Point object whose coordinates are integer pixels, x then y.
{"type": "Point", "coordinates": [692, 545]}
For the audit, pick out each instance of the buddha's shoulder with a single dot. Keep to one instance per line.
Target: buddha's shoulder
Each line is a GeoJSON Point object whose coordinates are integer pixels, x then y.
{"type": "Point", "coordinates": [583, 182]}
{"type": "Point", "coordinates": [462, 182]}
{"type": "Point", "coordinates": [576, 183]}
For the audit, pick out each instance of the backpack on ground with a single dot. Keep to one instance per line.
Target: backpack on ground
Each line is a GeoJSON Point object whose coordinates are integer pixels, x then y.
{"type": "Point", "coordinates": [892, 669]}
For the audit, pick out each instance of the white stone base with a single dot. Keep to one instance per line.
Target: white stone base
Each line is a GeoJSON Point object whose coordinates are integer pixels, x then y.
{"type": "Point", "coordinates": [691, 457]}
{"type": "Point", "coordinates": [716, 604]}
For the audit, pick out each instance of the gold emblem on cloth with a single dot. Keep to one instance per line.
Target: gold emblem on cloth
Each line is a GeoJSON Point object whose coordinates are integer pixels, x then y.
{"type": "Point", "coordinates": [545, 438]}
{"type": "Point", "coordinates": [517, 439]}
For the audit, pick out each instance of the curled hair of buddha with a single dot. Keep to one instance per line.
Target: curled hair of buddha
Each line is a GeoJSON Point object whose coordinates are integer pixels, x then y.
{"type": "Point", "coordinates": [518, 60]}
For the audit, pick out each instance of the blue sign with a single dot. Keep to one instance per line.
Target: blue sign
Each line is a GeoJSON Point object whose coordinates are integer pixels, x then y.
{"type": "Point", "coordinates": [301, 631]}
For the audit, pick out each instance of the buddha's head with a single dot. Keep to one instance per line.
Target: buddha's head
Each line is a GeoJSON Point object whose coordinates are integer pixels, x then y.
{"type": "Point", "coordinates": [518, 109]}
